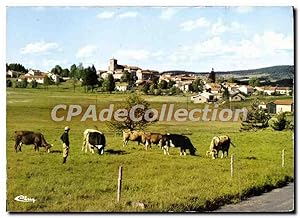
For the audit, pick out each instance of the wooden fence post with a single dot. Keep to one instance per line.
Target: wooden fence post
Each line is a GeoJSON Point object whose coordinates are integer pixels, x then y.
{"type": "Point", "coordinates": [282, 158]}
{"type": "Point", "coordinates": [119, 183]}
{"type": "Point", "coordinates": [232, 165]}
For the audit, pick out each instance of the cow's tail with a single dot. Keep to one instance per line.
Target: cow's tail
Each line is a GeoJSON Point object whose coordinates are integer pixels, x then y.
{"type": "Point", "coordinates": [232, 144]}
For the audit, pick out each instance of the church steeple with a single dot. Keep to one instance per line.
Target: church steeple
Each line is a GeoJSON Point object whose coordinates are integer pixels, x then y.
{"type": "Point", "coordinates": [212, 76]}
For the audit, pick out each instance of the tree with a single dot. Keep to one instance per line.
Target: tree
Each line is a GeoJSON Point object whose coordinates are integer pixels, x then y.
{"type": "Point", "coordinates": [129, 78]}
{"type": "Point", "coordinates": [152, 89]}
{"type": "Point", "coordinates": [141, 122]}
{"type": "Point", "coordinates": [221, 79]}
{"type": "Point", "coordinates": [146, 88]}
{"type": "Point", "coordinates": [22, 84]}
{"type": "Point", "coordinates": [163, 84]}
{"type": "Point", "coordinates": [254, 81]}
{"type": "Point", "coordinates": [65, 72]}
{"type": "Point", "coordinates": [197, 85]}
{"type": "Point", "coordinates": [33, 84]}
{"type": "Point", "coordinates": [257, 117]}
{"type": "Point", "coordinates": [90, 78]}
{"type": "Point", "coordinates": [175, 91]}
{"type": "Point", "coordinates": [171, 83]}
{"type": "Point", "coordinates": [17, 67]}
{"type": "Point", "coordinates": [47, 82]}
{"type": "Point", "coordinates": [8, 83]}
{"type": "Point", "coordinates": [279, 122]}
{"type": "Point", "coordinates": [109, 83]}
{"type": "Point", "coordinates": [231, 79]}
{"type": "Point", "coordinates": [73, 70]}
{"type": "Point", "coordinates": [57, 70]}
{"type": "Point", "coordinates": [155, 80]}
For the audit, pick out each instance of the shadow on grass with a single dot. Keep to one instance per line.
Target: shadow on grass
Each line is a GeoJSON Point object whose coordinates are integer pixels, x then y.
{"type": "Point", "coordinates": [117, 152]}
{"type": "Point", "coordinates": [56, 151]}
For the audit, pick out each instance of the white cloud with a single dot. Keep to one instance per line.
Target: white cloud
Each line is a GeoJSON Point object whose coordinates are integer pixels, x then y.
{"type": "Point", "coordinates": [244, 9]}
{"type": "Point", "coordinates": [194, 24]}
{"type": "Point", "coordinates": [105, 15]}
{"type": "Point", "coordinates": [39, 47]}
{"type": "Point", "coordinates": [86, 52]}
{"type": "Point", "coordinates": [220, 27]}
{"type": "Point", "coordinates": [168, 13]}
{"type": "Point", "coordinates": [130, 14]}
{"type": "Point", "coordinates": [269, 48]}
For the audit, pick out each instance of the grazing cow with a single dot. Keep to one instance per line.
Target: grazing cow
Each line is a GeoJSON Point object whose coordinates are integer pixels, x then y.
{"type": "Point", "coordinates": [31, 138]}
{"type": "Point", "coordinates": [93, 139]}
{"type": "Point", "coordinates": [219, 143]}
{"type": "Point", "coordinates": [134, 135]}
{"type": "Point", "coordinates": [151, 138]}
{"type": "Point", "coordinates": [175, 140]}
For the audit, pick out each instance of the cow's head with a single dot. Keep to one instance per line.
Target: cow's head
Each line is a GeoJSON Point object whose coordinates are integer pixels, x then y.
{"type": "Point", "coordinates": [212, 153]}
{"type": "Point", "coordinates": [193, 150]}
{"type": "Point", "coordinates": [48, 146]}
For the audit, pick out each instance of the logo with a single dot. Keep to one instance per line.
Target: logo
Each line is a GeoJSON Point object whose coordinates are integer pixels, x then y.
{"type": "Point", "coordinates": [24, 198]}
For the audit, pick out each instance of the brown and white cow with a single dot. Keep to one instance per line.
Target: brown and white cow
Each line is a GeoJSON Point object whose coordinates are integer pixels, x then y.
{"type": "Point", "coordinates": [132, 135]}
{"type": "Point", "coordinates": [219, 143]}
{"type": "Point", "coordinates": [151, 138]}
{"type": "Point", "coordinates": [31, 138]}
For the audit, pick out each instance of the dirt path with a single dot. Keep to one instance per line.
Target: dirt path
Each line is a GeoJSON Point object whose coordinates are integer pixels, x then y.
{"type": "Point", "coordinates": [278, 200]}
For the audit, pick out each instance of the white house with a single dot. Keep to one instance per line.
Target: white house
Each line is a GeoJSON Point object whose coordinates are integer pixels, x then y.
{"type": "Point", "coordinates": [283, 90]}
{"type": "Point", "coordinates": [262, 105]}
{"type": "Point", "coordinates": [32, 72]}
{"type": "Point", "coordinates": [204, 97]}
{"type": "Point", "coordinates": [248, 90]}
{"type": "Point", "coordinates": [122, 87]}
{"type": "Point", "coordinates": [13, 74]}
{"type": "Point", "coordinates": [53, 76]}
{"type": "Point", "coordinates": [237, 97]}
{"type": "Point", "coordinates": [38, 79]}
{"type": "Point", "coordinates": [269, 90]}
{"type": "Point", "coordinates": [278, 106]}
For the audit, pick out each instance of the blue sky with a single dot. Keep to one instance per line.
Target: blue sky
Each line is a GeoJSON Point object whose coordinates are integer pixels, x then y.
{"type": "Point", "coordinates": [159, 38]}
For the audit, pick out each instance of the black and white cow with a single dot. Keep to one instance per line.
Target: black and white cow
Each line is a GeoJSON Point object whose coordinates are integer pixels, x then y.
{"type": "Point", "coordinates": [177, 141]}
{"type": "Point", "coordinates": [93, 139]}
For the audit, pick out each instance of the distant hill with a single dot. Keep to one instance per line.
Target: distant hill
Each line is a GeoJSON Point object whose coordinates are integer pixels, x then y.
{"type": "Point", "coordinates": [274, 72]}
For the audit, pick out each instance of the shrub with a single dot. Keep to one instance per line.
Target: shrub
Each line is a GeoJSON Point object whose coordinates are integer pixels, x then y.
{"type": "Point", "coordinates": [34, 84]}
{"type": "Point", "coordinates": [278, 122]}
{"type": "Point", "coordinates": [8, 83]}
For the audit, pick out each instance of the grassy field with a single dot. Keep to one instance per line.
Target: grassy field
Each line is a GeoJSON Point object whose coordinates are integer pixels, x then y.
{"type": "Point", "coordinates": [162, 183]}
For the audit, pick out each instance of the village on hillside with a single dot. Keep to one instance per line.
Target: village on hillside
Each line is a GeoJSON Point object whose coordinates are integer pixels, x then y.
{"type": "Point", "coordinates": [206, 88]}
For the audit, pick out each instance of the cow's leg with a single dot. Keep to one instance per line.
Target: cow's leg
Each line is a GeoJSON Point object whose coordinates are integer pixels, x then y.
{"type": "Point", "coordinates": [222, 155]}
{"type": "Point", "coordinates": [184, 152]}
{"type": "Point", "coordinates": [83, 145]}
{"type": "Point", "coordinates": [125, 142]}
{"type": "Point", "coordinates": [181, 151]}
{"type": "Point", "coordinates": [18, 146]}
{"type": "Point", "coordinates": [226, 153]}
{"type": "Point", "coordinates": [214, 153]}
{"type": "Point", "coordinates": [91, 149]}
{"type": "Point", "coordinates": [36, 147]}
{"type": "Point", "coordinates": [166, 150]}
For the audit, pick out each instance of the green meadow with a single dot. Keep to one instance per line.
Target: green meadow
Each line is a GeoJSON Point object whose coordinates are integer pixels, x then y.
{"type": "Point", "coordinates": [88, 182]}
